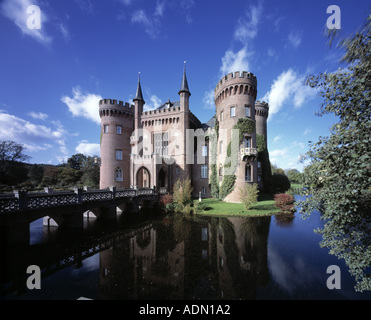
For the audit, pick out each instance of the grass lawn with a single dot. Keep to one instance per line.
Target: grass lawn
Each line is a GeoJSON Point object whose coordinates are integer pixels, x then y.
{"type": "Point", "coordinates": [214, 207]}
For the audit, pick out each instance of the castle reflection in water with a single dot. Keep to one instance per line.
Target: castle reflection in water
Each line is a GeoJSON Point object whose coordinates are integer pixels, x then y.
{"type": "Point", "coordinates": [194, 258]}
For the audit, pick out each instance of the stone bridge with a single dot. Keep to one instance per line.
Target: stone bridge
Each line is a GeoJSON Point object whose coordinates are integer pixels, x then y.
{"type": "Point", "coordinates": [66, 209]}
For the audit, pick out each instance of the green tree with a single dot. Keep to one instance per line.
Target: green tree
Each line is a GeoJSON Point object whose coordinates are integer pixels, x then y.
{"type": "Point", "coordinates": [294, 175]}
{"type": "Point", "coordinates": [35, 174]}
{"type": "Point", "coordinates": [340, 164]}
{"type": "Point", "coordinates": [249, 195]}
{"type": "Point", "coordinates": [12, 158]}
{"type": "Point", "coordinates": [90, 172]}
{"type": "Point", "coordinates": [182, 193]}
{"type": "Point", "coordinates": [279, 183]}
{"type": "Point", "coordinates": [77, 161]}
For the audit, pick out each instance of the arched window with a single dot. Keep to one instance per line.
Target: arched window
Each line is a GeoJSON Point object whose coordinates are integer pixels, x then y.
{"type": "Point", "coordinates": [118, 175]}
{"type": "Point", "coordinates": [248, 174]}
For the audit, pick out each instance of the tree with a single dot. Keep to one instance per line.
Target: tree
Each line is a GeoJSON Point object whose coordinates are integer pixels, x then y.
{"type": "Point", "coordinates": [182, 193]}
{"type": "Point", "coordinates": [340, 164]}
{"type": "Point", "coordinates": [294, 175]}
{"type": "Point", "coordinates": [76, 161]}
{"type": "Point", "coordinates": [249, 195]}
{"type": "Point", "coordinates": [35, 174]}
{"type": "Point", "coordinates": [12, 168]}
{"type": "Point", "coordinates": [280, 183]}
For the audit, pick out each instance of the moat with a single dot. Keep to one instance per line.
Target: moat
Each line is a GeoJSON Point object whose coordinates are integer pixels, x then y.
{"type": "Point", "coordinates": [176, 258]}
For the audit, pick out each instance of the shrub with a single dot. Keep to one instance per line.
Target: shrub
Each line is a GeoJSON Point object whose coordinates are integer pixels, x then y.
{"type": "Point", "coordinates": [182, 193]}
{"type": "Point", "coordinates": [249, 195]}
{"type": "Point", "coordinates": [165, 199]}
{"type": "Point", "coordinates": [285, 202]}
{"type": "Point", "coordinates": [199, 207]}
{"type": "Point", "coordinates": [280, 183]}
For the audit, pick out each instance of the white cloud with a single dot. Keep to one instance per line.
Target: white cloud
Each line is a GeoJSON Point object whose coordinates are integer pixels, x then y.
{"type": "Point", "coordinates": [306, 131]}
{"type": "Point", "coordinates": [64, 30]}
{"type": "Point", "coordinates": [90, 149]}
{"type": "Point", "coordinates": [16, 10]}
{"type": "Point", "coordinates": [247, 26]}
{"type": "Point", "coordinates": [127, 2]}
{"type": "Point", "coordinates": [288, 87]}
{"type": "Point", "coordinates": [294, 38]}
{"type": "Point", "coordinates": [84, 105]}
{"type": "Point", "coordinates": [235, 61]}
{"type": "Point", "coordinates": [278, 152]}
{"type": "Point", "coordinates": [208, 99]}
{"type": "Point", "coordinates": [277, 138]}
{"type": "Point", "coordinates": [151, 24]}
{"type": "Point", "coordinates": [154, 103]}
{"type": "Point", "coordinates": [34, 137]}
{"type": "Point", "coordinates": [38, 115]}
{"type": "Point", "coordinates": [85, 6]}
{"type": "Point", "coordinates": [160, 8]}
{"type": "Point", "coordinates": [187, 6]}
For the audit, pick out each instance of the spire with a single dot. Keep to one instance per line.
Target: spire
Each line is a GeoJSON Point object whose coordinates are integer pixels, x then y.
{"type": "Point", "coordinates": [139, 95]}
{"type": "Point", "coordinates": [184, 87]}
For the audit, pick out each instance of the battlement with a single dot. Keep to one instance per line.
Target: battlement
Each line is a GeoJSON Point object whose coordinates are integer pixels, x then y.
{"type": "Point", "coordinates": [261, 104]}
{"type": "Point", "coordinates": [160, 112]}
{"type": "Point", "coordinates": [110, 107]}
{"type": "Point", "coordinates": [113, 102]}
{"type": "Point", "coordinates": [261, 108]}
{"type": "Point", "coordinates": [237, 77]}
{"type": "Point", "coordinates": [235, 83]}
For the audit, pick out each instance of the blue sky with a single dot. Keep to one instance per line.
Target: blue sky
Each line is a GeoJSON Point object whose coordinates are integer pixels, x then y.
{"type": "Point", "coordinates": [52, 78]}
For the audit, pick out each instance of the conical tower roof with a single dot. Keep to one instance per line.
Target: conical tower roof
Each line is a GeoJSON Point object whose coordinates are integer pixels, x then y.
{"type": "Point", "coordinates": [139, 95]}
{"type": "Point", "coordinates": [184, 86]}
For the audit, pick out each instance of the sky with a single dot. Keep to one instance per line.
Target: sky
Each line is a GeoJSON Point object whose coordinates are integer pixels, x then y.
{"type": "Point", "coordinates": [58, 59]}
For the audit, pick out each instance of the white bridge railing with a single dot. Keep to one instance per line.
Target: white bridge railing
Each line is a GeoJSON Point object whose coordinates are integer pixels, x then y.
{"type": "Point", "coordinates": [21, 200]}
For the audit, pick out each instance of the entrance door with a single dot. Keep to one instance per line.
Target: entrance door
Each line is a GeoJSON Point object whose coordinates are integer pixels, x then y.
{"type": "Point", "coordinates": [143, 178]}
{"type": "Point", "coordinates": [162, 178]}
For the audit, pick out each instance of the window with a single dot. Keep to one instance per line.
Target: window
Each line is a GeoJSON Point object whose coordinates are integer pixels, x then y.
{"type": "Point", "coordinates": [233, 111]}
{"type": "Point", "coordinates": [118, 129]}
{"type": "Point", "coordinates": [247, 142]}
{"type": "Point", "coordinates": [105, 128]}
{"type": "Point", "coordinates": [220, 147]}
{"type": "Point", "coordinates": [259, 164]}
{"type": "Point", "coordinates": [204, 151]}
{"type": "Point", "coordinates": [247, 111]}
{"type": "Point", "coordinates": [118, 154]}
{"type": "Point", "coordinates": [259, 177]}
{"type": "Point", "coordinates": [118, 175]}
{"type": "Point", "coordinates": [221, 116]}
{"type": "Point", "coordinates": [220, 173]}
{"type": "Point", "coordinates": [203, 190]}
{"type": "Point", "coordinates": [204, 171]}
{"type": "Point", "coordinates": [204, 234]}
{"type": "Point", "coordinates": [161, 143]}
{"type": "Point", "coordinates": [248, 173]}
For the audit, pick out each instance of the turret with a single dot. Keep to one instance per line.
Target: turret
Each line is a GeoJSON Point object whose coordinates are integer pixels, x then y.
{"type": "Point", "coordinates": [261, 116]}
{"type": "Point", "coordinates": [138, 103]}
{"type": "Point", "coordinates": [116, 128]}
{"type": "Point", "coordinates": [235, 96]}
{"type": "Point", "coordinates": [184, 92]}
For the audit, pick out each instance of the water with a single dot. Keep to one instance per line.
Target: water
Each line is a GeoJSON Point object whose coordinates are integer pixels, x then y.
{"type": "Point", "coordinates": [178, 258]}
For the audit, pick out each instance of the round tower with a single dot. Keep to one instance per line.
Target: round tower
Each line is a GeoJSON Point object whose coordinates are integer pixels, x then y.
{"type": "Point", "coordinates": [261, 116]}
{"type": "Point", "coordinates": [235, 96]}
{"type": "Point", "coordinates": [117, 125]}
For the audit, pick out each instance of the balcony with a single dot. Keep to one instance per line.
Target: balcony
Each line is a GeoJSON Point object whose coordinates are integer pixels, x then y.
{"type": "Point", "coordinates": [248, 152]}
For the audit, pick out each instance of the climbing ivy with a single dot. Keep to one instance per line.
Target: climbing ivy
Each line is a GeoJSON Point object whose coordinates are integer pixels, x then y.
{"type": "Point", "coordinates": [214, 171]}
{"type": "Point", "coordinates": [263, 157]}
{"type": "Point", "coordinates": [244, 125]}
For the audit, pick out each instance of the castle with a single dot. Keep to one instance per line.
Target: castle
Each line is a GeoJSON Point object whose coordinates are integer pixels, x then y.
{"type": "Point", "coordinates": [157, 147]}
